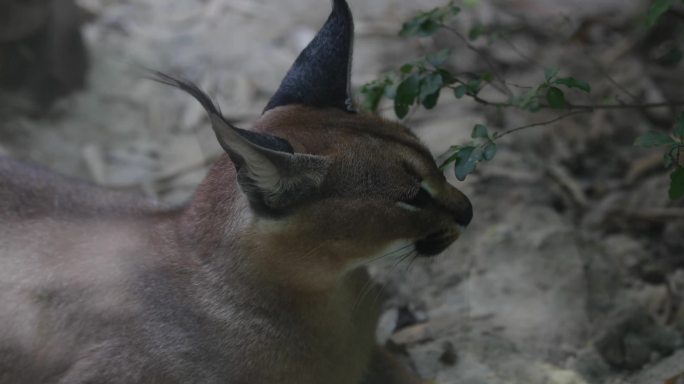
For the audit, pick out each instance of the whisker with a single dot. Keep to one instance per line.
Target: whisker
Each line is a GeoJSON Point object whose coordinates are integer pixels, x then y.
{"type": "Point", "coordinates": [402, 258]}
{"type": "Point", "coordinates": [315, 248]}
{"type": "Point", "coordinates": [406, 257]}
{"type": "Point", "coordinates": [370, 284]}
{"type": "Point", "coordinates": [390, 253]}
{"type": "Point", "coordinates": [365, 290]}
{"type": "Point", "coordinates": [414, 256]}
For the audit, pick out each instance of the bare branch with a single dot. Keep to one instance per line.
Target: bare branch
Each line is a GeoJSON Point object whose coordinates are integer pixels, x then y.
{"type": "Point", "coordinates": [484, 55]}
{"type": "Point", "coordinates": [583, 107]}
{"type": "Point", "coordinates": [539, 124]}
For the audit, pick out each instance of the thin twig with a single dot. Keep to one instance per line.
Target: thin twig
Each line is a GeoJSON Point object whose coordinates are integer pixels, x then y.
{"type": "Point", "coordinates": [568, 184]}
{"type": "Point", "coordinates": [498, 104]}
{"type": "Point", "coordinates": [665, 104]}
{"type": "Point", "coordinates": [483, 55]}
{"type": "Point", "coordinates": [586, 107]}
{"type": "Point", "coordinates": [612, 80]}
{"type": "Point", "coordinates": [481, 100]}
{"type": "Point", "coordinates": [522, 54]}
{"type": "Point", "coordinates": [655, 214]}
{"type": "Point", "coordinates": [516, 85]}
{"type": "Point", "coordinates": [539, 124]}
{"type": "Point", "coordinates": [590, 107]}
{"type": "Point", "coordinates": [604, 72]}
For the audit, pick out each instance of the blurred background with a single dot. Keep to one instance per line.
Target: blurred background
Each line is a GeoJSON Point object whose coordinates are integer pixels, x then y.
{"type": "Point", "coordinates": [573, 269]}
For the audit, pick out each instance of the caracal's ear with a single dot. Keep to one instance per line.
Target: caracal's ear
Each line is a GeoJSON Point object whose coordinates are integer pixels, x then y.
{"type": "Point", "coordinates": [271, 175]}
{"type": "Point", "coordinates": [320, 75]}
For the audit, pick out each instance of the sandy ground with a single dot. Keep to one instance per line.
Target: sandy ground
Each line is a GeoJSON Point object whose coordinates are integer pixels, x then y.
{"type": "Point", "coordinates": [533, 293]}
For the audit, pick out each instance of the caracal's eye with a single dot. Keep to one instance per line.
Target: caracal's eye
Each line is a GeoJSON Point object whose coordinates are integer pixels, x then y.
{"type": "Point", "coordinates": [420, 200]}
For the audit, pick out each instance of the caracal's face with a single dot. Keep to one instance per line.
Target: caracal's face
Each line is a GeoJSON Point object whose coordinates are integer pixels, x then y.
{"type": "Point", "coordinates": [383, 192]}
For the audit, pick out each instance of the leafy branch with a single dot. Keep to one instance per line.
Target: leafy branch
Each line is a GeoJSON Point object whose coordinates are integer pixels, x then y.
{"type": "Point", "coordinates": [420, 84]}
{"type": "Point", "coordinates": [673, 158]}
{"type": "Point", "coordinates": [466, 157]}
{"type": "Point", "coordinates": [657, 9]}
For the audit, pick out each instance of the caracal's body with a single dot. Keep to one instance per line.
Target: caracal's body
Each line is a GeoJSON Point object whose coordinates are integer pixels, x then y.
{"type": "Point", "coordinates": [252, 281]}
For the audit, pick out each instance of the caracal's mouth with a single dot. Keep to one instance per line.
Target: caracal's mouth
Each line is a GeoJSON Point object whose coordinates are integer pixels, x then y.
{"type": "Point", "coordinates": [436, 243]}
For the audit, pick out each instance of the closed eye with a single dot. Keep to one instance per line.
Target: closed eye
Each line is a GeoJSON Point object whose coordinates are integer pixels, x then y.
{"type": "Point", "coordinates": [420, 200]}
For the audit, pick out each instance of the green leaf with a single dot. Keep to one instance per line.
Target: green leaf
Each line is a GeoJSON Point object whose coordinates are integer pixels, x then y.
{"type": "Point", "coordinates": [430, 101]}
{"type": "Point", "coordinates": [476, 31]}
{"type": "Point", "coordinates": [571, 82]}
{"type": "Point", "coordinates": [489, 151]}
{"type": "Point", "coordinates": [480, 132]}
{"type": "Point", "coordinates": [453, 10]}
{"type": "Point", "coordinates": [529, 100]}
{"type": "Point", "coordinates": [460, 91]}
{"type": "Point", "coordinates": [373, 92]}
{"type": "Point", "coordinates": [452, 157]}
{"type": "Point", "coordinates": [429, 85]}
{"type": "Point", "coordinates": [609, 100]}
{"type": "Point", "coordinates": [406, 68]}
{"type": "Point", "coordinates": [669, 157]}
{"type": "Point", "coordinates": [679, 126]}
{"type": "Point", "coordinates": [653, 139]}
{"type": "Point", "coordinates": [473, 86]}
{"type": "Point", "coordinates": [428, 28]}
{"type": "Point", "coordinates": [447, 77]}
{"type": "Point", "coordinates": [677, 183]}
{"type": "Point", "coordinates": [401, 110]}
{"type": "Point", "coordinates": [555, 97]}
{"type": "Point", "coordinates": [672, 57]}
{"type": "Point", "coordinates": [427, 23]}
{"type": "Point", "coordinates": [466, 161]}
{"type": "Point", "coordinates": [421, 27]}
{"type": "Point", "coordinates": [534, 106]}
{"type": "Point", "coordinates": [657, 9]}
{"type": "Point", "coordinates": [391, 89]}
{"type": "Point", "coordinates": [550, 73]}
{"type": "Point", "coordinates": [371, 99]}
{"type": "Point", "coordinates": [438, 58]}
{"type": "Point", "coordinates": [407, 92]}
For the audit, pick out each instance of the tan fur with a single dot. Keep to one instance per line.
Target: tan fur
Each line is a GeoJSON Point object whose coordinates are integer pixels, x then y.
{"type": "Point", "coordinates": [258, 279]}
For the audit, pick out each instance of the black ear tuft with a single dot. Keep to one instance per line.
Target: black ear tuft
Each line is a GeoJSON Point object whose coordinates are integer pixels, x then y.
{"type": "Point", "coordinates": [269, 173]}
{"type": "Point", "coordinates": [320, 75]}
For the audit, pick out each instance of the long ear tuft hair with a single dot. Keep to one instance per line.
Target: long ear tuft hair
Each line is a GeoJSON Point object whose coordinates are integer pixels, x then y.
{"type": "Point", "coordinates": [270, 174]}
{"type": "Point", "coordinates": [320, 77]}
{"type": "Point", "coordinates": [261, 139]}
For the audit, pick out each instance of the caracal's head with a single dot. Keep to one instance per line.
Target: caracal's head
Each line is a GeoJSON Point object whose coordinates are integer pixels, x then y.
{"type": "Point", "coordinates": [330, 187]}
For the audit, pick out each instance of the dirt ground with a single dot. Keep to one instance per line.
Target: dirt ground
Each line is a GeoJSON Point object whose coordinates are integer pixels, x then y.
{"type": "Point", "coordinates": [573, 269]}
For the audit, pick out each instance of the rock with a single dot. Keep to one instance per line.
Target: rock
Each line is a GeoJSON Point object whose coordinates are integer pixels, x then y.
{"type": "Point", "coordinates": [449, 356]}
{"type": "Point", "coordinates": [591, 366]}
{"type": "Point", "coordinates": [667, 371]}
{"type": "Point", "coordinates": [634, 339]}
{"type": "Point", "coordinates": [626, 251]}
{"type": "Point", "coordinates": [42, 51]}
{"type": "Point", "coordinates": [427, 358]}
{"type": "Point", "coordinates": [409, 315]}
{"type": "Point", "coordinates": [94, 159]}
{"type": "Point", "coordinates": [386, 325]}
{"type": "Point", "coordinates": [413, 334]}
{"type": "Point", "coordinates": [673, 238]}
